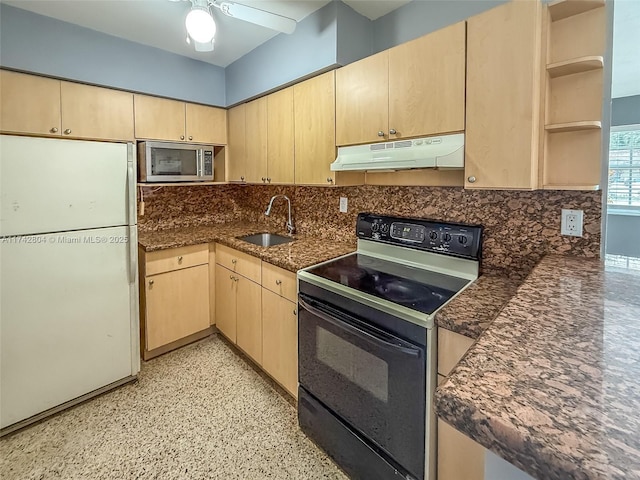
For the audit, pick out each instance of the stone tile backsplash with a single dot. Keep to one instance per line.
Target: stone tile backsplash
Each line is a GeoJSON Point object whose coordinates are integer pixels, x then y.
{"type": "Point", "coordinates": [520, 227]}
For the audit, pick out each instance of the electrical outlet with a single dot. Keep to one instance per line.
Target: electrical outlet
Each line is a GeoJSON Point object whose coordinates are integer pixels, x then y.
{"type": "Point", "coordinates": [571, 223]}
{"type": "Point", "coordinates": [343, 204]}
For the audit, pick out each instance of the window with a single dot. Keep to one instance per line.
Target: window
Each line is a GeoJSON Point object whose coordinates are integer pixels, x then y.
{"type": "Point", "coordinates": [624, 168]}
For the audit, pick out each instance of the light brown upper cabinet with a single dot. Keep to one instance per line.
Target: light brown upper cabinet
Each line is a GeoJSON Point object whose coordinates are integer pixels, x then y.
{"type": "Point", "coordinates": [261, 135]}
{"type": "Point", "coordinates": [30, 104]}
{"type": "Point", "coordinates": [503, 97]}
{"type": "Point", "coordinates": [237, 159]}
{"type": "Point", "coordinates": [175, 121]}
{"type": "Point", "coordinates": [314, 102]}
{"type": "Point", "coordinates": [256, 141]}
{"type": "Point", "coordinates": [417, 88]}
{"type": "Point", "coordinates": [280, 137]}
{"type": "Point", "coordinates": [93, 112]}
{"type": "Point", "coordinates": [362, 100]}
{"type": "Point", "coordinates": [44, 106]}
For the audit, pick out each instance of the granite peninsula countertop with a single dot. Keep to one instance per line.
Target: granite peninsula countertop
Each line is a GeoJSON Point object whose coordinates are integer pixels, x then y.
{"type": "Point", "coordinates": [553, 384]}
{"type": "Point", "coordinates": [471, 312]}
{"type": "Point", "coordinates": [301, 253]}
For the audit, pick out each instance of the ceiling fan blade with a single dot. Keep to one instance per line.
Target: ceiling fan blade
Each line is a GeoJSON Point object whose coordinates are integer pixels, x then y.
{"type": "Point", "coordinates": [259, 17]}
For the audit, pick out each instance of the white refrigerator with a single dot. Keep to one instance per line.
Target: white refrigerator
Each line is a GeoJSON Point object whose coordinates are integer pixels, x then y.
{"type": "Point", "coordinates": [68, 274]}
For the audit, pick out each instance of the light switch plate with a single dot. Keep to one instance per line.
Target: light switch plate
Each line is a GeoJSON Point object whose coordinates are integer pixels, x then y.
{"type": "Point", "coordinates": [343, 204]}
{"type": "Point", "coordinates": [571, 223]}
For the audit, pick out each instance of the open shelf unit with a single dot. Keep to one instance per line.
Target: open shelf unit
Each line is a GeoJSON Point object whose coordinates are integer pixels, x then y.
{"type": "Point", "coordinates": [572, 136]}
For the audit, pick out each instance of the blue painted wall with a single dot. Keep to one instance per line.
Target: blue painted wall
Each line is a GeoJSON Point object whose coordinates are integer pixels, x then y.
{"type": "Point", "coordinates": [423, 16]}
{"type": "Point", "coordinates": [355, 35]}
{"type": "Point", "coordinates": [285, 58]}
{"type": "Point", "coordinates": [625, 110]}
{"type": "Point", "coordinates": [39, 44]}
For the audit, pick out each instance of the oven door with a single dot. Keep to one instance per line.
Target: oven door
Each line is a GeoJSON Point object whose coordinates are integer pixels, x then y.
{"type": "Point", "coordinates": [372, 380]}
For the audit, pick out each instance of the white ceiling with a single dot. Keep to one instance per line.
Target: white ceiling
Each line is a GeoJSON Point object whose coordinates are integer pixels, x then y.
{"type": "Point", "coordinates": [160, 24]}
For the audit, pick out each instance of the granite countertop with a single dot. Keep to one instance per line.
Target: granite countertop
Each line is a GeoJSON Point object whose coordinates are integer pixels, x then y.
{"type": "Point", "coordinates": [301, 253]}
{"type": "Point", "coordinates": [471, 312]}
{"type": "Point", "coordinates": [553, 385]}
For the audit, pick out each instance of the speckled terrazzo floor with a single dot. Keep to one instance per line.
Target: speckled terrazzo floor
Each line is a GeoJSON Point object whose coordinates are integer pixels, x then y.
{"type": "Point", "coordinates": [200, 412]}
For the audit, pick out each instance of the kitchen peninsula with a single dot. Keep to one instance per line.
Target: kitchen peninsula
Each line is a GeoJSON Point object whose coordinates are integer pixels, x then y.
{"type": "Point", "coordinates": [553, 385]}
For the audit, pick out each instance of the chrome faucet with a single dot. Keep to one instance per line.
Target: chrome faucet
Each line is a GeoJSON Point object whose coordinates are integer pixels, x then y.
{"type": "Point", "coordinates": [290, 227]}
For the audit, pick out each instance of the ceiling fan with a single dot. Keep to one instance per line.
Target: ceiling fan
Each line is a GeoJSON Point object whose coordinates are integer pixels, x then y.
{"type": "Point", "coordinates": [201, 27]}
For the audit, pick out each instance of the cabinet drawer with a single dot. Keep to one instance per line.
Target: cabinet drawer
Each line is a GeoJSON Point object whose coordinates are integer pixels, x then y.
{"type": "Point", "coordinates": [176, 258]}
{"type": "Point", "coordinates": [239, 262]}
{"type": "Point", "coordinates": [280, 281]}
{"type": "Point", "coordinates": [451, 348]}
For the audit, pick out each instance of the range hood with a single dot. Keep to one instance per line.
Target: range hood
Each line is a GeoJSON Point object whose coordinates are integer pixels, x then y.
{"type": "Point", "coordinates": [442, 151]}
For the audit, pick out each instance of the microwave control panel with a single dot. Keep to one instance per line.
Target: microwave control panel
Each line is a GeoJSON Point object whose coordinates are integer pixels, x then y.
{"type": "Point", "coordinates": [208, 162]}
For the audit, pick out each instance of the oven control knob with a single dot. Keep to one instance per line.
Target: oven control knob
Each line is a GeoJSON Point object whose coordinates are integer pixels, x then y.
{"type": "Point", "coordinates": [384, 228]}
{"type": "Point", "coordinates": [446, 237]}
{"type": "Point", "coordinates": [462, 239]}
{"type": "Point", "coordinates": [433, 235]}
{"type": "Point", "coordinates": [375, 227]}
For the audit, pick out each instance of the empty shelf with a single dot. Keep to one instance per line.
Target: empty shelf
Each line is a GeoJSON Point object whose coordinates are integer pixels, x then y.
{"type": "Point", "coordinates": [575, 65]}
{"type": "Point", "coordinates": [573, 126]}
{"type": "Point", "coordinates": [567, 8]}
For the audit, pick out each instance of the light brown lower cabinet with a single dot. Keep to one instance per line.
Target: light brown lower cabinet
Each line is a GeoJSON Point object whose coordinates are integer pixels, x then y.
{"type": "Point", "coordinates": [459, 457]}
{"type": "Point", "coordinates": [238, 311]}
{"type": "Point", "coordinates": [280, 340]}
{"type": "Point", "coordinates": [174, 308]}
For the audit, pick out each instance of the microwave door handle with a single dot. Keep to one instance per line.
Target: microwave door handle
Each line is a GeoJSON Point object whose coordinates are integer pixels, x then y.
{"type": "Point", "coordinates": [199, 163]}
{"type": "Point", "coordinates": [371, 337]}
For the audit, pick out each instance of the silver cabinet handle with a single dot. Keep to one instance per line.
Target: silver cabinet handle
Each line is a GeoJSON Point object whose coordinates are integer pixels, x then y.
{"type": "Point", "coordinates": [268, 179]}
{"type": "Point", "coordinates": [190, 137]}
{"type": "Point", "coordinates": [264, 180]}
{"type": "Point", "coordinates": [235, 279]}
{"type": "Point", "coordinates": [471, 179]}
{"type": "Point", "coordinates": [278, 282]}
{"type": "Point", "coordinates": [54, 130]}
{"type": "Point", "coordinates": [181, 137]}
{"type": "Point", "coordinates": [67, 131]}
{"type": "Point", "coordinates": [381, 133]}
{"type": "Point", "coordinates": [234, 261]}
{"type": "Point", "coordinates": [151, 282]}
{"type": "Point", "coordinates": [392, 131]}
{"type": "Point", "coordinates": [230, 277]}
{"type": "Point", "coordinates": [242, 179]}
{"type": "Point", "coordinates": [295, 312]}
{"type": "Point", "coordinates": [180, 259]}
{"type": "Point", "coordinates": [329, 180]}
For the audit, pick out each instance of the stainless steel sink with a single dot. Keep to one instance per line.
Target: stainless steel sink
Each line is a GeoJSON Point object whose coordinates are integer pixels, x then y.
{"type": "Point", "coordinates": [266, 239]}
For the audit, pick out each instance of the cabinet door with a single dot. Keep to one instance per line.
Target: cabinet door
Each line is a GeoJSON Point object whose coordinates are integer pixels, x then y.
{"type": "Point", "coordinates": [212, 283]}
{"type": "Point", "coordinates": [249, 318]}
{"type": "Point", "coordinates": [159, 118]}
{"type": "Point", "coordinates": [226, 302]}
{"type": "Point", "coordinates": [236, 162]}
{"type": "Point", "coordinates": [280, 340]}
{"type": "Point", "coordinates": [256, 140]}
{"type": "Point", "coordinates": [427, 84]}
{"type": "Point", "coordinates": [280, 137]}
{"type": "Point", "coordinates": [459, 457]}
{"type": "Point", "coordinates": [93, 112]}
{"type": "Point", "coordinates": [29, 104]}
{"type": "Point", "coordinates": [315, 129]}
{"type": "Point", "coordinates": [177, 305]}
{"type": "Point", "coordinates": [503, 97]}
{"type": "Point", "coordinates": [362, 101]}
{"type": "Point", "coordinates": [206, 124]}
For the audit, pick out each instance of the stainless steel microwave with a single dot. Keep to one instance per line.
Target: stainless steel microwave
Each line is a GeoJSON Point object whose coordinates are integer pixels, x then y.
{"type": "Point", "coordinates": [175, 162]}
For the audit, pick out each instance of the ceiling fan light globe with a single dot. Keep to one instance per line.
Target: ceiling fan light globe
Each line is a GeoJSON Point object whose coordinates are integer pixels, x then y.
{"type": "Point", "coordinates": [200, 25]}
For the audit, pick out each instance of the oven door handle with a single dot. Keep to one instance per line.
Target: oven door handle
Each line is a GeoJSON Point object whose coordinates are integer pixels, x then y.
{"type": "Point", "coordinates": [372, 337]}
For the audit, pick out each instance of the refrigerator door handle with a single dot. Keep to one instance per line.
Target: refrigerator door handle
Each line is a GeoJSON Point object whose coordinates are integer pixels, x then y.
{"type": "Point", "coordinates": [133, 254]}
{"type": "Point", "coordinates": [132, 200]}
